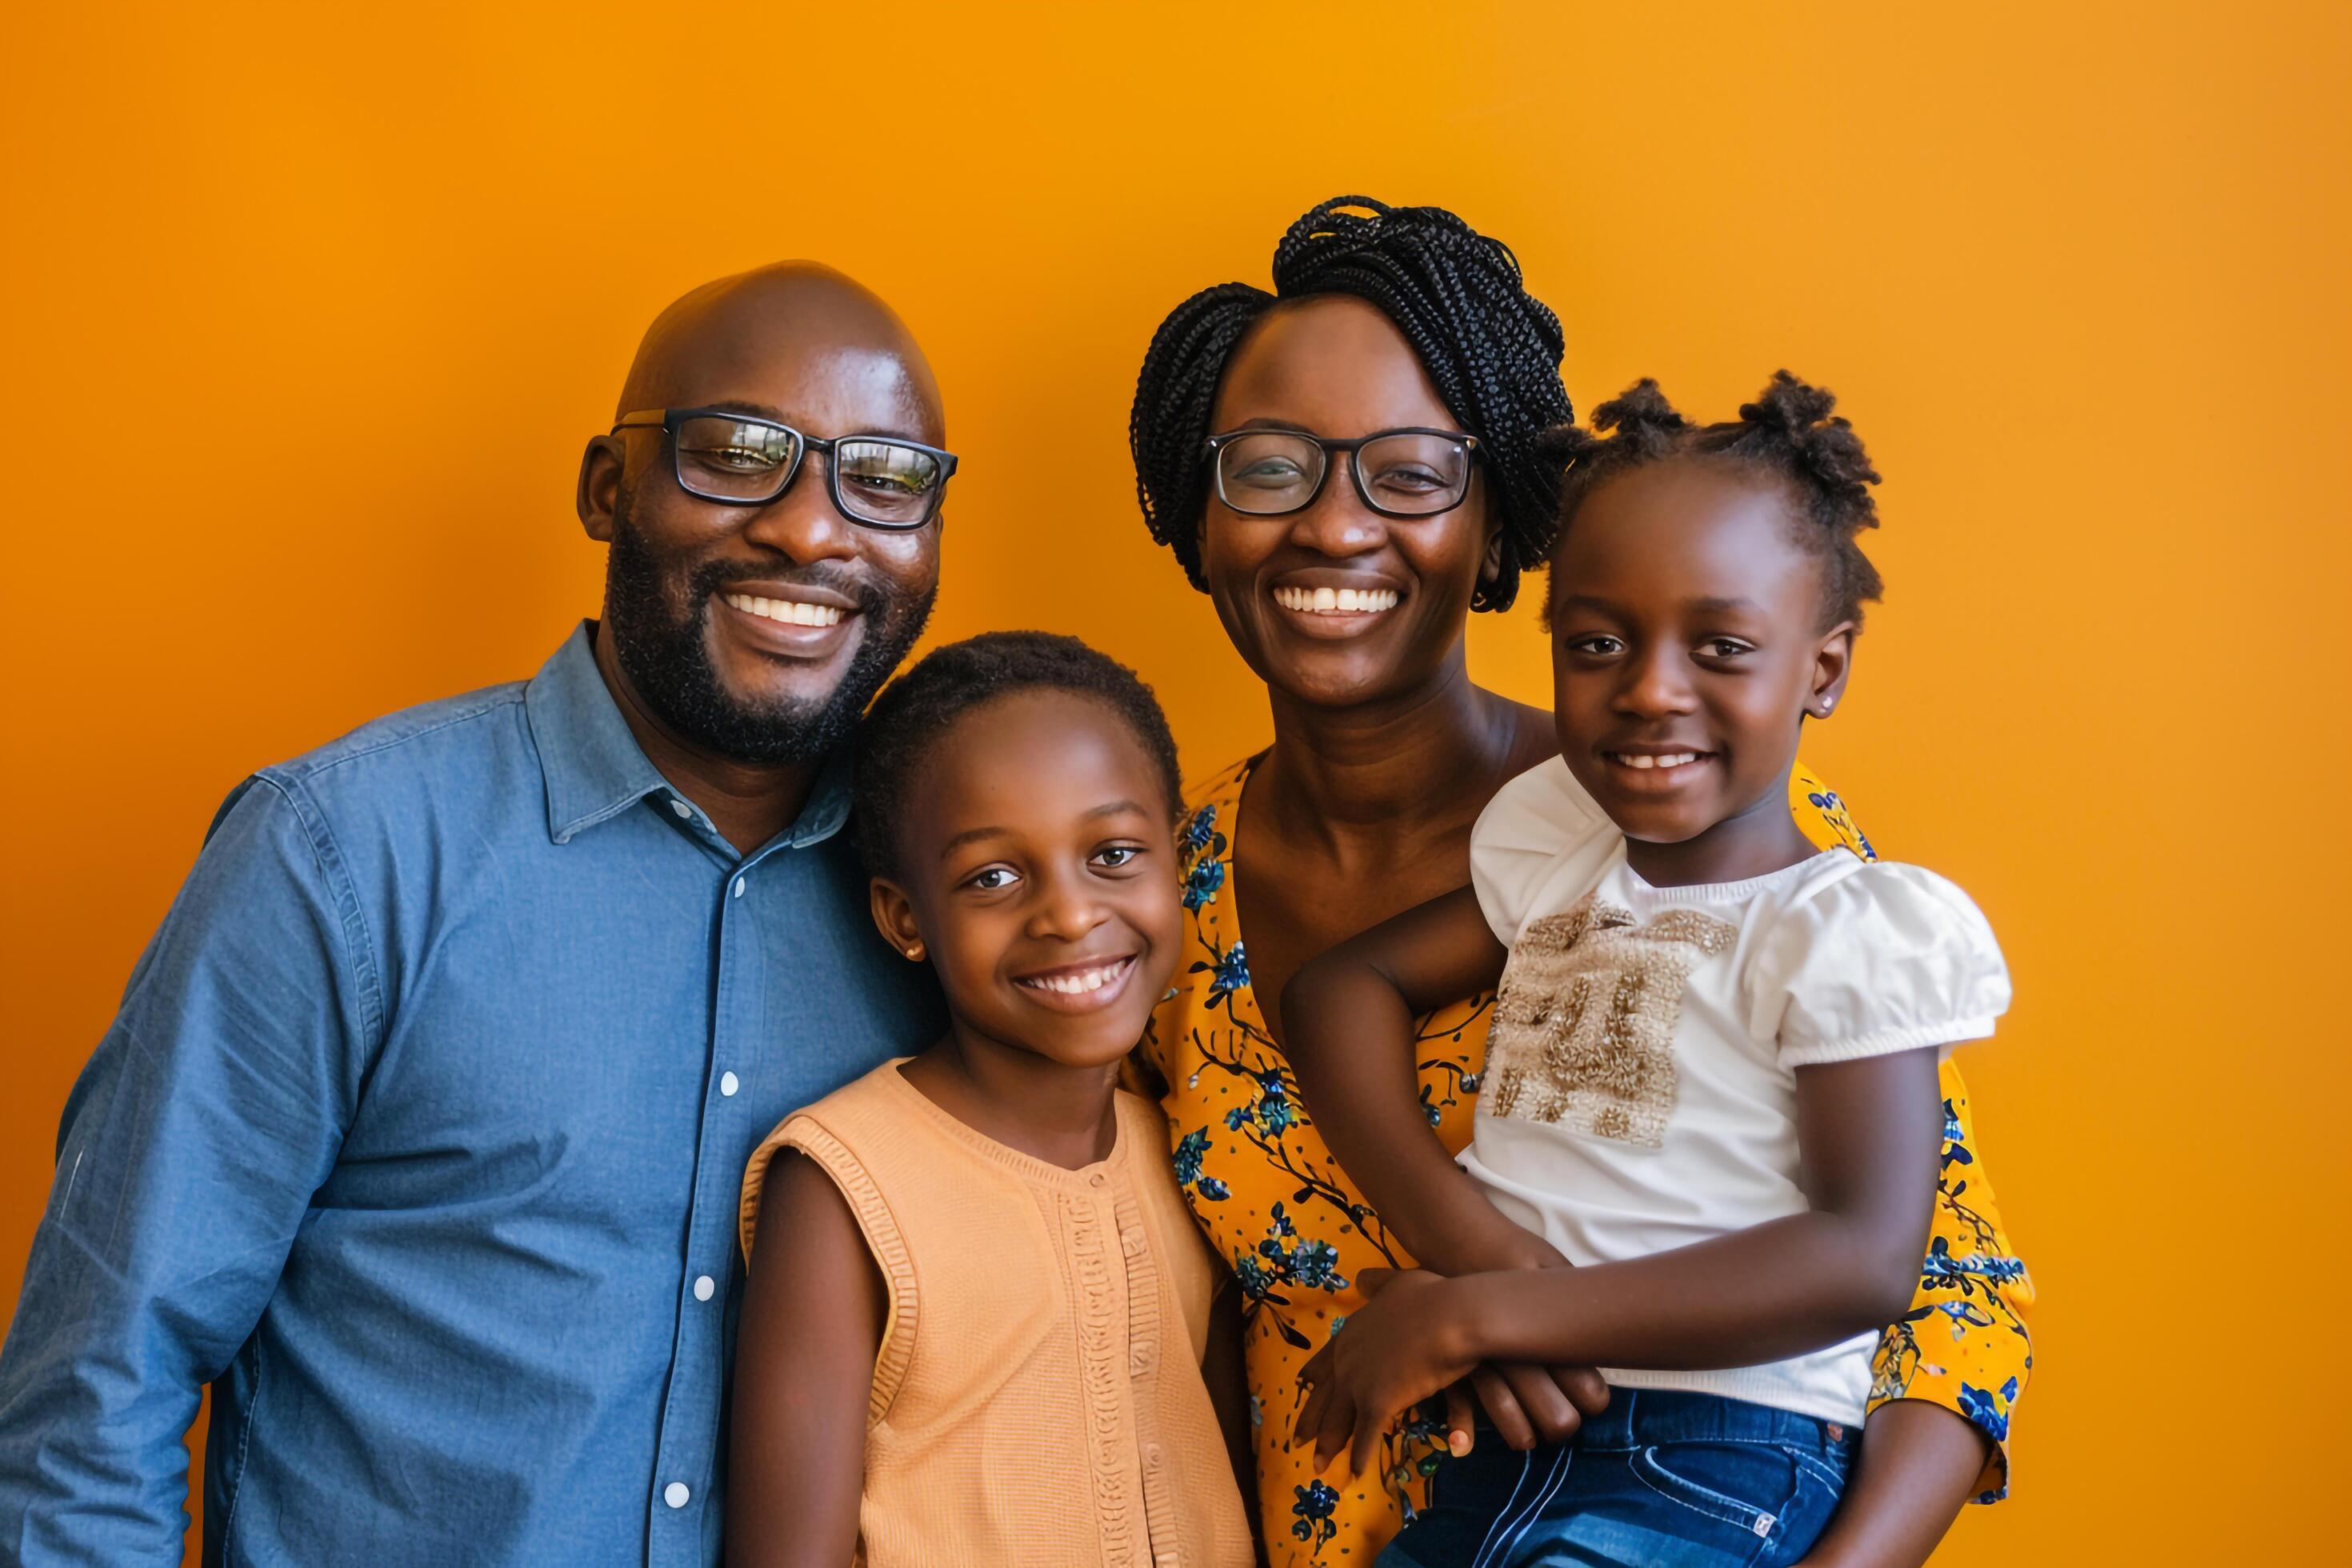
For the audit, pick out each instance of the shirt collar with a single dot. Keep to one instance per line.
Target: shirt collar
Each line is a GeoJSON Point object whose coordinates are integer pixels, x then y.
{"type": "Point", "coordinates": [596, 770]}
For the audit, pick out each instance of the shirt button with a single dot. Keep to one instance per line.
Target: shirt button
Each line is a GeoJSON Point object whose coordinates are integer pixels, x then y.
{"type": "Point", "coordinates": [1150, 1458]}
{"type": "Point", "coordinates": [704, 1285]}
{"type": "Point", "coordinates": [738, 886]}
{"type": "Point", "coordinates": [682, 809]}
{"type": "Point", "coordinates": [675, 1494]}
{"type": "Point", "coordinates": [1096, 1180]}
{"type": "Point", "coordinates": [729, 1083]}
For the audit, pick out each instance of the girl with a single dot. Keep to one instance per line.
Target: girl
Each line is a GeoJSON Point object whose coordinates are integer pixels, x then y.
{"type": "Point", "coordinates": [1711, 1079]}
{"type": "Point", "coordinates": [977, 1310]}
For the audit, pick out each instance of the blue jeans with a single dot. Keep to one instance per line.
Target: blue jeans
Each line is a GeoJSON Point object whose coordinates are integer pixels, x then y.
{"type": "Point", "coordinates": [1659, 1479]}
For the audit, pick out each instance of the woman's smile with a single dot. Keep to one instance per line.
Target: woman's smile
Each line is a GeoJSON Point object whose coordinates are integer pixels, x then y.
{"type": "Point", "coordinates": [1323, 603]}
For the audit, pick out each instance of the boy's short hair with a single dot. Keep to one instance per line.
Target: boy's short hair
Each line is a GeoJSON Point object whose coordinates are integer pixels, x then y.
{"type": "Point", "coordinates": [919, 707]}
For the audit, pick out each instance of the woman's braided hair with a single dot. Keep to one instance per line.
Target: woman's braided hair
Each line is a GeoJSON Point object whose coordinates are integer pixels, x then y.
{"type": "Point", "coordinates": [1492, 349]}
{"type": "Point", "coordinates": [1788, 434]}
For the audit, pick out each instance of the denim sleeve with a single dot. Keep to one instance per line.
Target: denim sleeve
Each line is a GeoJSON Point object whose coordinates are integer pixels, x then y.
{"type": "Point", "coordinates": [187, 1155]}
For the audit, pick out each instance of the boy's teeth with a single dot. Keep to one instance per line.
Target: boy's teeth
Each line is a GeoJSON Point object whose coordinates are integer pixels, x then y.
{"type": "Point", "coordinates": [1337, 601]}
{"type": "Point", "coordinates": [1648, 760]}
{"type": "Point", "coordinates": [1078, 985]}
{"type": "Point", "coordinates": [791, 612]}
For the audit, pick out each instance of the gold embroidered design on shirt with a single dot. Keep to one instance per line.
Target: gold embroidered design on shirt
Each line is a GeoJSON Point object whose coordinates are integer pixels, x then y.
{"type": "Point", "coordinates": [1584, 1023]}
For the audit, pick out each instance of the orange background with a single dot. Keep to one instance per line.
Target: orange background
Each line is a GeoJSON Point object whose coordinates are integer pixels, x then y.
{"type": "Point", "coordinates": [308, 315]}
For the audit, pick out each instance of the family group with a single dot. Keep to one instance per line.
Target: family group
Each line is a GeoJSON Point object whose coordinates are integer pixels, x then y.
{"type": "Point", "coordinates": [687, 1107]}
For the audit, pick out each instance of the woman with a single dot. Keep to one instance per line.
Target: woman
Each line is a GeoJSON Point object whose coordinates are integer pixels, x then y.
{"type": "Point", "coordinates": [1407, 324]}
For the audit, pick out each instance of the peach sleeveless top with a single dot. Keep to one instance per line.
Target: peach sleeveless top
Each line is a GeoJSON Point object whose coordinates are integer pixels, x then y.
{"type": "Point", "coordinates": [1037, 1398]}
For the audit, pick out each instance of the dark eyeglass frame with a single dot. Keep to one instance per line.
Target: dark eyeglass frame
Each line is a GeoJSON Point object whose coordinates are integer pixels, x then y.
{"type": "Point", "coordinates": [666, 421]}
{"type": "Point", "coordinates": [1326, 446]}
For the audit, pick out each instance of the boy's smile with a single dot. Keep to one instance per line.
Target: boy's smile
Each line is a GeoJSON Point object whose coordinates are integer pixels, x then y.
{"type": "Point", "coordinates": [1080, 988]}
{"type": "Point", "coordinates": [1040, 877]}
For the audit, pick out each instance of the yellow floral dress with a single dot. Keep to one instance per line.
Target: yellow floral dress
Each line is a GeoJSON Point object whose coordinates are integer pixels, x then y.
{"type": "Point", "coordinates": [1297, 1232]}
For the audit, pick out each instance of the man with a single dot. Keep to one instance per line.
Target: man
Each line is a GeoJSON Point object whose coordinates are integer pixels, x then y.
{"type": "Point", "coordinates": [419, 1133]}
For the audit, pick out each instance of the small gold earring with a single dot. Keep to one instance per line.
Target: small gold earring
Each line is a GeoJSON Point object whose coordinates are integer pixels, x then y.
{"type": "Point", "coordinates": [915, 953]}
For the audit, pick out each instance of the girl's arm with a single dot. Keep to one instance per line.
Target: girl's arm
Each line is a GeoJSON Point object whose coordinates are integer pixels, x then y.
{"type": "Point", "coordinates": [1347, 1028]}
{"type": "Point", "coordinates": [812, 1325]}
{"type": "Point", "coordinates": [1348, 1025]}
{"type": "Point", "coordinates": [1868, 1130]}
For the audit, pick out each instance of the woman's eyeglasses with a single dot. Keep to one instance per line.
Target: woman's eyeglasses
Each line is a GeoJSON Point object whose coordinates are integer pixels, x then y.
{"type": "Point", "coordinates": [1398, 473]}
{"type": "Point", "coordinates": [881, 481]}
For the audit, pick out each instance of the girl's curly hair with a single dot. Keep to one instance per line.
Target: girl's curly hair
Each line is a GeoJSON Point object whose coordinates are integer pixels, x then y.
{"type": "Point", "coordinates": [1789, 433]}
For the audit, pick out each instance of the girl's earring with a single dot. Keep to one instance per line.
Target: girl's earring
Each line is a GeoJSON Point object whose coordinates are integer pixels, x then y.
{"type": "Point", "coordinates": [913, 953]}
{"type": "Point", "coordinates": [1821, 709]}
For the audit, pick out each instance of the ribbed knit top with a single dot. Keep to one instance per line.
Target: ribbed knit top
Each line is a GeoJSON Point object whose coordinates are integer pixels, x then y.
{"type": "Point", "coordinates": [1037, 1398]}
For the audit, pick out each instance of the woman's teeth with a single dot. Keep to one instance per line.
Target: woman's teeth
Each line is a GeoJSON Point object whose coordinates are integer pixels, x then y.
{"type": "Point", "coordinates": [791, 612]}
{"type": "Point", "coordinates": [1337, 601]}
{"type": "Point", "coordinates": [1649, 760]}
{"type": "Point", "coordinates": [1079, 982]}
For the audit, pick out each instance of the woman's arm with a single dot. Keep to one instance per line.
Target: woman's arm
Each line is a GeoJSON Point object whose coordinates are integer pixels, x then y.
{"type": "Point", "coordinates": [1939, 1429]}
{"type": "Point", "coordinates": [812, 1325]}
{"type": "Point", "coordinates": [1867, 1131]}
{"type": "Point", "coordinates": [1919, 1466]}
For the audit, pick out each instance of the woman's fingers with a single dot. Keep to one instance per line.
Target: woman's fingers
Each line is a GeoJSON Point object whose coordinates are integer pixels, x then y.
{"type": "Point", "coordinates": [1310, 1414]}
{"type": "Point", "coordinates": [1332, 1432]}
{"type": "Point", "coordinates": [1370, 1429]}
{"type": "Point", "coordinates": [1503, 1411]}
{"type": "Point", "coordinates": [1461, 1419]}
{"type": "Point", "coordinates": [1548, 1409]}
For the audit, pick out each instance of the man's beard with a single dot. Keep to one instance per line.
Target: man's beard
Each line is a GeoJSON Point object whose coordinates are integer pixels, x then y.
{"type": "Point", "coordinates": [667, 661]}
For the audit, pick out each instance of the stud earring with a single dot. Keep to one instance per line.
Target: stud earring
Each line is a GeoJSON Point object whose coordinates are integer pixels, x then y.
{"type": "Point", "coordinates": [915, 953]}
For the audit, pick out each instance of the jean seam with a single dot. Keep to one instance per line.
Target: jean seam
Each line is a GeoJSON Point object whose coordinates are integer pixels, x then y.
{"type": "Point", "coordinates": [1716, 1513]}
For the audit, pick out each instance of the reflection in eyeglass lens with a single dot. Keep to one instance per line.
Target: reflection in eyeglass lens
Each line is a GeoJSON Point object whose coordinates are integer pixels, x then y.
{"type": "Point", "coordinates": [884, 480]}
{"type": "Point", "coordinates": [734, 456]}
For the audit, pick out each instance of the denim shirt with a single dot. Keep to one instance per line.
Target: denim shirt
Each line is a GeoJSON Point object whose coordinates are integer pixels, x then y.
{"type": "Point", "coordinates": [419, 1136]}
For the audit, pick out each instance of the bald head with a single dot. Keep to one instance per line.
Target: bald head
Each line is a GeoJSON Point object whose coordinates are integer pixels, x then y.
{"type": "Point", "coordinates": [795, 338]}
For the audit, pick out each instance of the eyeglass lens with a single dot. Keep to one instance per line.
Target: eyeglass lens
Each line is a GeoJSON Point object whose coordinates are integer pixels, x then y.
{"type": "Point", "coordinates": [876, 480]}
{"type": "Point", "coordinates": [1272, 471]}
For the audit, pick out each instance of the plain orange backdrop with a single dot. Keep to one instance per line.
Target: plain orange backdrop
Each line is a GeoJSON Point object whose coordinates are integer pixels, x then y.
{"type": "Point", "coordinates": [308, 312]}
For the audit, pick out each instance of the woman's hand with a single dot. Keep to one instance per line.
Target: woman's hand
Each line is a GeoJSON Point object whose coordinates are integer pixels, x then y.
{"type": "Point", "coordinates": [1402, 1346]}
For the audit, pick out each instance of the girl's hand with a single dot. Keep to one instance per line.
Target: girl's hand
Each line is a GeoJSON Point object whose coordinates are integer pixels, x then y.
{"type": "Point", "coordinates": [1398, 1348]}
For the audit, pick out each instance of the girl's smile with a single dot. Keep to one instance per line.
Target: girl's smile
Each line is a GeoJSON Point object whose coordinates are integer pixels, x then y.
{"type": "Point", "coordinates": [1082, 987]}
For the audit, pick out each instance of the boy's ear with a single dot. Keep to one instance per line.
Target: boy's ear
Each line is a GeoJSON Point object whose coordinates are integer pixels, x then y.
{"type": "Point", "coordinates": [894, 917]}
{"type": "Point", "coordinates": [1831, 666]}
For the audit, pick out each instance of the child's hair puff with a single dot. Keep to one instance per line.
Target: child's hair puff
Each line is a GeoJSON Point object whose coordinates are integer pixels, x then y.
{"type": "Point", "coordinates": [945, 684]}
{"type": "Point", "coordinates": [1789, 433]}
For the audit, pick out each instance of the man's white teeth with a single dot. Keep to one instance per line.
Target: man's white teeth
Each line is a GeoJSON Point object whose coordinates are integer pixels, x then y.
{"type": "Point", "coordinates": [1079, 982]}
{"type": "Point", "coordinates": [1337, 601]}
{"type": "Point", "coordinates": [791, 612]}
{"type": "Point", "coordinates": [1648, 760]}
